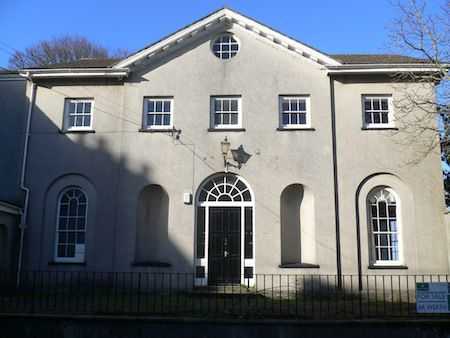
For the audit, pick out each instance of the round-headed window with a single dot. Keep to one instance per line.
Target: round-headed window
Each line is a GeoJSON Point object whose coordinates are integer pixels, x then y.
{"type": "Point", "coordinates": [225, 46]}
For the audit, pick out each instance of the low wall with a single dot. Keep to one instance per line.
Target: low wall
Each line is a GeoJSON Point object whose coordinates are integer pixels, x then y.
{"type": "Point", "coordinates": [28, 326]}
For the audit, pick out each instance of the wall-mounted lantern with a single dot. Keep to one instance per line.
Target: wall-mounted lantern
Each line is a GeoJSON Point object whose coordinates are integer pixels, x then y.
{"type": "Point", "coordinates": [240, 156]}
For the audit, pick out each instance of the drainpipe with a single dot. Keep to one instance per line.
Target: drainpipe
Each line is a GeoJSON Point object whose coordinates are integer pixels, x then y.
{"type": "Point", "coordinates": [24, 211]}
{"type": "Point", "coordinates": [336, 186]}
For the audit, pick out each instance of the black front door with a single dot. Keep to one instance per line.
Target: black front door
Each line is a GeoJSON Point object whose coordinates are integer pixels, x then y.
{"type": "Point", "coordinates": [224, 263]}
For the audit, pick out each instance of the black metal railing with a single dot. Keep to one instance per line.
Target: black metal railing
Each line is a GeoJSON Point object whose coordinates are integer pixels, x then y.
{"type": "Point", "coordinates": [176, 294]}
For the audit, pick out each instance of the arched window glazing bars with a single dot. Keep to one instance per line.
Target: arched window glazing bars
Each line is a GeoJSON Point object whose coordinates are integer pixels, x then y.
{"type": "Point", "coordinates": [225, 188]}
{"type": "Point", "coordinates": [71, 225]}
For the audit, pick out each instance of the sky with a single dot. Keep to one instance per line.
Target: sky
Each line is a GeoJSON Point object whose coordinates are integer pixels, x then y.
{"type": "Point", "coordinates": [339, 26]}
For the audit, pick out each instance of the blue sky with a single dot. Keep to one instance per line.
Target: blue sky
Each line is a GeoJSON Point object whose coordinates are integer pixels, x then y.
{"type": "Point", "coordinates": [346, 26]}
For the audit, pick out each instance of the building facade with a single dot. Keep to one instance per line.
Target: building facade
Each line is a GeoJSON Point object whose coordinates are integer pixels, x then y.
{"type": "Point", "coordinates": [125, 169]}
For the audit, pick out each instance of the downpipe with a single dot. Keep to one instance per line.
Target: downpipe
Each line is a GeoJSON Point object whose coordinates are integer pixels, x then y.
{"type": "Point", "coordinates": [24, 211]}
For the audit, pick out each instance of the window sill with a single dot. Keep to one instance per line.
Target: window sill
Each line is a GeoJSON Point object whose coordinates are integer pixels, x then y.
{"type": "Point", "coordinates": [387, 267]}
{"type": "Point", "coordinates": [90, 131]}
{"type": "Point", "coordinates": [299, 266]}
{"type": "Point", "coordinates": [65, 263]}
{"type": "Point", "coordinates": [296, 129]}
{"type": "Point", "coordinates": [225, 129]}
{"type": "Point", "coordinates": [165, 130]}
{"type": "Point", "coordinates": [379, 128]}
{"type": "Point", "coordinates": [152, 263]}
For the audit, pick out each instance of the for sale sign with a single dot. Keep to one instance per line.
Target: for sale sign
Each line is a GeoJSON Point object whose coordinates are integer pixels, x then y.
{"type": "Point", "coordinates": [433, 297]}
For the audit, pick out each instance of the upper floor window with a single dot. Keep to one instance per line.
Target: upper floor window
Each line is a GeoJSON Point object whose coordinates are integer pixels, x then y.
{"type": "Point", "coordinates": [226, 112]}
{"type": "Point", "coordinates": [295, 112]}
{"type": "Point", "coordinates": [384, 230]}
{"type": "Point", "coordinates": [78, 114]}
{"type": "Point", "coordinates": [158, 112]}
{"type": "Point", "coordinates": [71, 226]}
{"type": "Point", "coordinates": [225, 46]}
{"type": "Point", "coordinates": [378, 111]}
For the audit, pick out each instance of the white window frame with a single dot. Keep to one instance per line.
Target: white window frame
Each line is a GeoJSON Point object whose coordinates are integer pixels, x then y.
{"type": "Point", "coordinates": [213, 112]}
{"type": "Point", "coordinates": [306, 125]}
{"type": "Point", "coordinates": [79, 248]}
{"type": "Point", "coordinates": [220, 52]}
{"type": "Point", "coordinates": [147, 101]}
{"type": "Point", "coordinates": [372, 125]}
{"type": "Point", "coordinates": [68, 101]}
{"type": "Point", "coordinates": [372, 255]}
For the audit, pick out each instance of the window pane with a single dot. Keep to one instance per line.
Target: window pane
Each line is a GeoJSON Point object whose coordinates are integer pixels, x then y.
{"type": "Point", "coordinates": [383, 225]}
{"type": "Point", "coordinates": [218, 105]}
{"type": "Point", "coordinates": [226, 119]}
{"type": "Point", "coordinates": [158, 119]}
{"type": "Point", "coordinates": [82, 210]}
{"type": "Point", "coordinates": [71, 237]}
{"type": "Point", "coordinates": [392, 211]}
{"type": "Point", "coordinates": [71, 107]}
{"type": "Point", "coordinates": [285, 118]}
{"type": "Point", "coordinates": [166, 106]}
{"type": "Point", "coordinates": [79, 108]}
{"type": "Point", "coordinates": [158, 106]}
{"type": "Point", "coordinates": [376, 105]}
{"type": "Point", "coordinates": [234, 105]}
{"type": "Point", "coordinates": [302, 119]}
{"type": "Point", "coordinates": [302, 105]}
{"type": "Point", "coordinates": [78, 121]}
{"type": "Point", "coordinates": [375, 225]}
{"type": "Point", "coordinates": [367, 104]}
{"type": "Point", "coordinates": [71, 223]}
{"type": "Point", "coordinates": [285, 105]}
{"type": "Point", "coordinates": [226, 105]}
{"type": "Point", "coordinates": [234, 118]}
{"type": "Point", "coordinates": [87, 107]}
{"type": "Point", "coordinates": [294, 119]}
{"type": "Point", "coordinates": [384, 240]}
{"type": "Point", "coordinates": [384, 117]}
{"type": "Point", "coordinates": [87, 121]}
{"type": "Point", "coordinates": [151, 106]}
{"type": "Point", "coordinates": [225, 55]}
{"type": "Point", "coordinates": [384, 254]}
{"type": "Point", "coordinates": [62, 237]}
{"type": "Point", "coordinates": [393, 225]}
{"type": "Point", "coordinates": [376, 118]}
{"type": "Point", "coordinates": [382, 209]}
{"type": "Point", "coordinates": [61, 250]}
{"type": "Point", "coordinates": [80, 223]}
{"type": "Point", "coordinates": [234, 47]}
{"type": "Point", "coordinates": [368, 117]}
{"type": "Point", "coordinates": [166, 119]}
{"type": "Point", "coordinates": [217, 119]}
{"type": "Point", "coordinates": [71, 251]}
{"type": "Point", "coordinates": [150, 119]}
{"type": "Point", "coordinates": [294, 105]}
{"type": "Point", "coordinates": [384, 104]}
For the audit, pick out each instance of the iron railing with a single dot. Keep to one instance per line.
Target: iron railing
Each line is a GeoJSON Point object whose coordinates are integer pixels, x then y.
{"type": "Point", "coordinates": [176, 294]}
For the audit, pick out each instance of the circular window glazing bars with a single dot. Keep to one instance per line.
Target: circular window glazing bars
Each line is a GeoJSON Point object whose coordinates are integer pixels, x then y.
{"type": "Point", "coordinates": [225, 188]}
{"type": "Point", "coordinates": [225, 46]}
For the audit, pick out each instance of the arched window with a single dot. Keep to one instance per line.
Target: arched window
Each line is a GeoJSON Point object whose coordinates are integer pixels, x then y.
{"type": "Point", "coordinates": [71, 225]}
{"type": "Point", "coordinates": [152, 226]}
{"type": "Point", "coordinates": [297, 227]}
{"type": "Point", "coordinates": [383, 226]}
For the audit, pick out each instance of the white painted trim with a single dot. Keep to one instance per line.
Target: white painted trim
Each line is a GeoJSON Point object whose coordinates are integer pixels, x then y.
{"type": "Point", "coordinates": [213, 111]}
{"type": "Point", "coordinates": [66, 126]}
{"type": "Point", "coordinates": [74, 72]}
{"type": "Point", "coordinates": [227, 15]}
{"type": "Point", "coordinates": [381, 69]}
{"type": "Point", "coordinates": [145, 113]}
{"type": "Point", "coordinates": [9, 208]}
{"type": "Point", "coordinates": [390, 124]}
{"type": "Point", "coordinates": [307, 99]}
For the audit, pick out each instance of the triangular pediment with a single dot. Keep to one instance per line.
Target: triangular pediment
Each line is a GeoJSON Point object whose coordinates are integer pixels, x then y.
{"type": "Point", "coordinates": [226, 17]}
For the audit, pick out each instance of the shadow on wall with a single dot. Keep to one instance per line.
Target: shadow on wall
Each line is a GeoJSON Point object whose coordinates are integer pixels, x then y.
{"type": "Point", "coordinates": [126, 222]}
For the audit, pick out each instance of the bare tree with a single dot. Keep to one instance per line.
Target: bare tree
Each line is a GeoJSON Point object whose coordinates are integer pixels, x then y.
{"type": "Point", "coordinates": [57, 50]}
{"type": "Point", "coordinates": [422, 109]}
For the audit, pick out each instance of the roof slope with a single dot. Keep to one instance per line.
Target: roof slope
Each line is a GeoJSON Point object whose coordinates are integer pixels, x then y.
{"type": "Point", "coordinates": [360, 59]}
